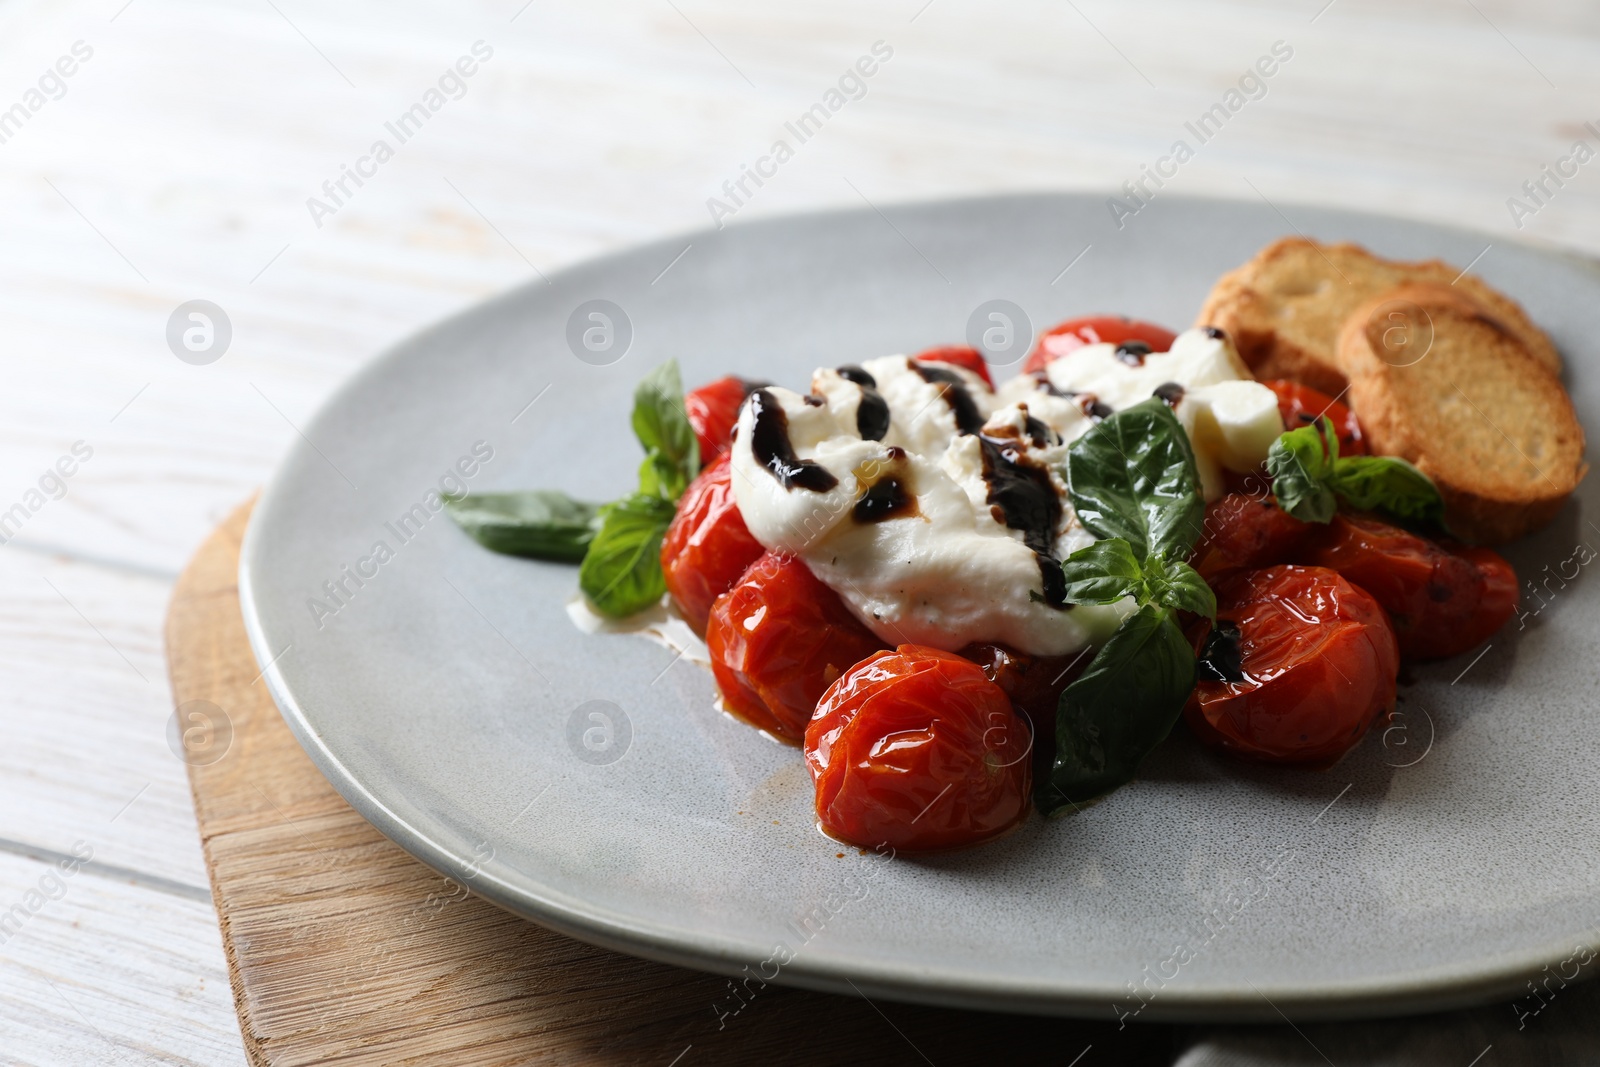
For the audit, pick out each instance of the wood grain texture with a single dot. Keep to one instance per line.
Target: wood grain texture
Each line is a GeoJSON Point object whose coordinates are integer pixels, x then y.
{"type": "Point", "coordinates": [343, 949]}
{"type": "Point", "coordinates": [100, 967]}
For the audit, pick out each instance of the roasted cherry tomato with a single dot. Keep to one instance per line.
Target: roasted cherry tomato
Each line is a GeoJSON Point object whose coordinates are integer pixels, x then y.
{"type": "Point", "coordinates": [918, 750]}
{"type": "Point", "coordinates": [1300, 405]}
{"type": "Point", "coordinates": [1295, 669]}
{"type": "Point", "coordinates": [1244, 531]}
{"type": "Point", "coordinates": [707, 547]}
{"type": "Point", "coordinates": [1442, 601]}
{"type": "Point", "coordinates": [968, 358]}
{"type": "Point", "coordinates": [777, 640]}
{"type": "Point", "coordinates": [1092, 330]}
{"type": "Point", "coordinates": [713, 410]}
{"type": "Point", "coordinates": [1034, 684]}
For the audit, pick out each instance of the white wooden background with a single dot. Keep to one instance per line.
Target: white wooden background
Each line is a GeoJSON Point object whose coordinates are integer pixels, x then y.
{"type": "Point", "coordinates": [177, 166]}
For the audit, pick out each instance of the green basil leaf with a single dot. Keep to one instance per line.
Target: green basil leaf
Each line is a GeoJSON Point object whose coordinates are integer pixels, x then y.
{"type": "Point", "coordinates": [1390, 485]}
{"type": "Point", "coordinates": [541, 523]}
{"type": "Point", "coordinates": [672, 452]}
{"type": "Point", "coordinates": [621, 574]}
{"type": "Point", "coordinates": [1300, 463]}
{"type": "Point", "coordinates": [1133, 476]}
{"type": "Point", "coordinates": [1121, 707]}
{"type": "Point", "coordinates": [1102, 573]}
{"type": "Point", "coordinates": [1178, 585]}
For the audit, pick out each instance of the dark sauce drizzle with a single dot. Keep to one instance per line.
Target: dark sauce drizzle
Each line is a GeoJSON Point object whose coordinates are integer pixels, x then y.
{"type": "Point", "coordinates": [1087, 401]}
{"type": "Point", "coordinates": [1171, 393]}
{"type": "Point", "coordinates": [1038, 433]}
{"type": "Point", "coordinates": [1216, 333]}
{"type": "Point", "coordinates": [769, 443]}
{"type": "Point", "coordinates": [968, 419]}
{"type": "Point", "coordinates": [1132, 353]}
{"type": "Point", "coordinates": [887, 498]}
{"type": "Point", "coordinates": [1092, 406]}
{"type": "Point", "coordinates": [1026, 501]}
{"type": "Point", "coordinates": [872, 413]}
{"type": "Point", "coordinates": [1220, 657]}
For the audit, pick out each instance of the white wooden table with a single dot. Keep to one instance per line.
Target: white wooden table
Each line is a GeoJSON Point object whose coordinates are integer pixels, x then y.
{"type": "Point", "coordinates": [175, 164]}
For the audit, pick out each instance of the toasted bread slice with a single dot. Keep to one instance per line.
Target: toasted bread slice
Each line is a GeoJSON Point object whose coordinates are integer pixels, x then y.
{"type": "Point", "coordinates": [1285, 307]}
{"type": "Point", "coordinates": [1440, 382]}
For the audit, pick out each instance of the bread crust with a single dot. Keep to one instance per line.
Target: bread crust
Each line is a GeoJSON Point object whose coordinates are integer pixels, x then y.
{"type": "Point", "coordinates": [1440, 381]}
{"type": "Point", "coordinates": [1285, 307]}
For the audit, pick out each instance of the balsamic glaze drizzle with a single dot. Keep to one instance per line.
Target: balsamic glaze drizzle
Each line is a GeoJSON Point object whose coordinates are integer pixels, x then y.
{"type": "Point", "coordinates": [769, 443]}
{"type": "Point", "coordinates": [1038, 433]}
{"type": "Point", "coordinates": [872, 414]}
{"type": "Point", "coordinates": [1132, 353]}
{"type": "Point", "coordinates": [1026, 501]}
{"type": "Point", "coordinates": [968, 418]}
{"type": "Point", "coordinates": [1220, 657]}
{"type": "Point", "coordinates": [1171, 393]}
{"type": "Point", "coordinates": [887, 498]}
{"type": "Point", "coordinates": [1092, 406]}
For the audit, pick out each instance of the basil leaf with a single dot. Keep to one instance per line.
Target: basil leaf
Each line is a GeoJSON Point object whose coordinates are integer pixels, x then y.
{"type": "Point", "coordinates": [1390, 485]}
{"type": "Point", "coordinates": [1133, 476]}
{"type": "Point", "coordinates": [542, 523]}
{"type": "Point", "coordinates": [1310, 479]}
{"type": "Point", "coordinates": [1102, 573]}
{"type": "Point", "coordinates": [1122, 706]}
{"type": "Point", "coordinates": [1300, 463]}
{"type": "Point", "coordinates": [1178, 585]}
{"type": "Point", "coordinates": [621, 574]}
{"type": "Point", "coordinates": [672, 452]}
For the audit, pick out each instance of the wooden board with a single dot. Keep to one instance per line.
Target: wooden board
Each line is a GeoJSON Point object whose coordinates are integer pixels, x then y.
{"type": "Point", "coordinates": [343, 949]}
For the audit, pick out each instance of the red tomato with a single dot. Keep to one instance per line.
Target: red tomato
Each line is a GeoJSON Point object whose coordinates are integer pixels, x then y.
{"type": "Point", "coordinates": [1245, 531]}
{"type": "Point", "coordinates": [1442, 602]}
{"type": "Point", "coordinates": [1315, 664]}
{"type": "Point", "coordinates": [1092, 330]}
{"type": "Point", "coordinates": [968, 358]}
{"type": "Point", "coordinates": [918, 750]}
{"type": "Point", "coordinates": [707, 547]}
{"type": "Point", "coordinates": [1034, 684]}
{"type": "Point", "coordinates": [713, 410]}
{"type": "Point", "coordinates": [778, 639]}
{"type": "Point", "coordinates": [1300, 405]}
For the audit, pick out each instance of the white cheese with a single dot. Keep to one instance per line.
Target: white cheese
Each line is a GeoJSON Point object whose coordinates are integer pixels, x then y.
{"type": "Point", "coordinates": [946, 570]}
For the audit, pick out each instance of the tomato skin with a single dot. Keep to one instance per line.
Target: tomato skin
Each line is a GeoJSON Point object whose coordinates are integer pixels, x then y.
{"type": "Point", "coordinates": [1442, 598]}
{"type": "Point", "coordinates": [777, 640]}
{"type": "Point", "coordinates": [1299, 405]}
{"type": "Point", "coordinates": [1319, 664]}
{"type": "Point", "coordinates": [1095, 329]}
{"type": "Point", "coordinates": [918, 750]}
{"type": "Point", "coordinates": [960, 355]}
{"type": "Point", "coordinates": [1441, 602]}
{"type": "Point", "coordinates": [707, 547]}
{"type": "Point", "coordinates": [713, 411]}
{"type": "Point", "coordinates": [1247, 531]}
{"type": "Point", "coordinates": [1034, 684]}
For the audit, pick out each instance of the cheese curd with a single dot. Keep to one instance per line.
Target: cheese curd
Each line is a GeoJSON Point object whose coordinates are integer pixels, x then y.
{"type": "Point", "coordinates": [936, 507]}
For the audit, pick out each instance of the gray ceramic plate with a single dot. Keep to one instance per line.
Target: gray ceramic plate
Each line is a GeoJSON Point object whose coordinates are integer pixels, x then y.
{"type": "Point", "coordinates": [448, 696]}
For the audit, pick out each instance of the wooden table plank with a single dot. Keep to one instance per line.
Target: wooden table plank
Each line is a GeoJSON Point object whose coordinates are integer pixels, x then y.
{"type": "Point", "coordinates": [97, 969]}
